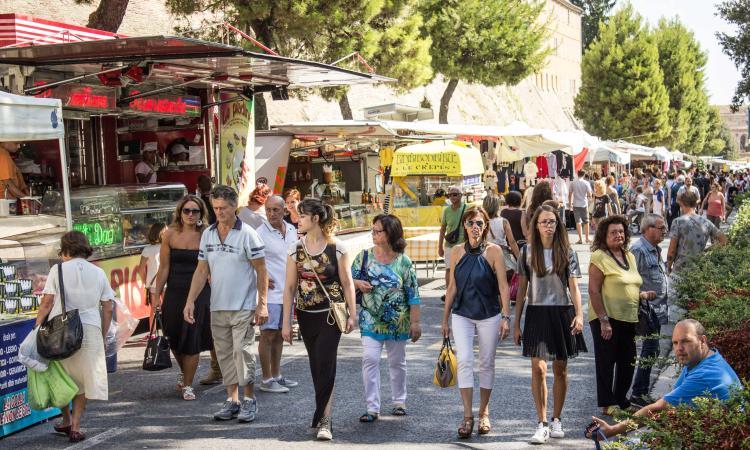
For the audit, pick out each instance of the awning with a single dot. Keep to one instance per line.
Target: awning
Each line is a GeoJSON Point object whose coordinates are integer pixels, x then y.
{"type": "Point", "coordinates": [191, 62]}
{"type": "Point", "coordinates": [29, 119]}
{"type": "Point", "coordinates": [339, 129]}
{"type": "Point", "coordinates": [446, 158]}
{"type": "Point", "coordinates": [603, 153]}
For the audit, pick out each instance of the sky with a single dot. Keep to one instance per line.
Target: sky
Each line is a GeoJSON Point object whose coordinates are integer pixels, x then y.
{"type": "Point", "coordinates": [700, 17]}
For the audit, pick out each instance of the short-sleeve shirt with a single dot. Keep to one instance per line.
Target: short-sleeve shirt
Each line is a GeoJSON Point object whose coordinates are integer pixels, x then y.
{"type": "Point", "coordinates": [452, 219]}
{"type": "Point", "coordinates": [151, 253]}
{"type": "Point", "coordinates": [143, 168]}
{"type": "Point", "coordinates": [86, 286]}
{"type": "Point", "coordinates": [712, 377]}
{"type": "Point", "coordinates": [9, 170]}
{"type": "Point", "coordinates": [621, 289]}
{"type": "Point", "coordinates": [385, 311]}
{"type": "Point", "coordinates": [276, 246]}
{"type": "Point", "coordinates": [233, 279]}
{"type": "Point", "coordinates": [548, 289]}
{"type": "Point", "coordinates": [310, 295]}
{"type": "Point", "coordinates": [600, 206]}
{"type": "Point", "coordinates": [692, 233]}
{"type": "Point", "coordinates": [581, 190]}
{"type": "Point", "coordinates": [253, 218]}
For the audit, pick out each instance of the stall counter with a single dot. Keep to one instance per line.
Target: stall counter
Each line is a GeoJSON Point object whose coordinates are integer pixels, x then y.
{"type": "Point", "coordinates": [422, 216]}
{"type": "Point", "coordinates": [14, 394]}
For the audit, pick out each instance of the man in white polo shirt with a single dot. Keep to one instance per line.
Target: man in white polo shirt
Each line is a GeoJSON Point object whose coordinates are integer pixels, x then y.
{"type": "Point", "coordinates": [277, 236]}
{"type": "Point", "coordinates": [233, 255]}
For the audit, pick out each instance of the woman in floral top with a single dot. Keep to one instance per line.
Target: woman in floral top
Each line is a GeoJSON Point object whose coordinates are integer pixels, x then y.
{"type": "Point", "coordinates": [389, 314]}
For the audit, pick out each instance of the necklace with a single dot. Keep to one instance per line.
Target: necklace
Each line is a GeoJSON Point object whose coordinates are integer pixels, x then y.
{"type": "Point", "coordinates": [625, 265]}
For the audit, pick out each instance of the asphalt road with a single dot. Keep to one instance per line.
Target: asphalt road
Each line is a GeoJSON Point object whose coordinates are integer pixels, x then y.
{"type": "Point", "coordinates": [146, 411]}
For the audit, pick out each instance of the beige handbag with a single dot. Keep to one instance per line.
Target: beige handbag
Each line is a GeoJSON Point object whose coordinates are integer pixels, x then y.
{"type": "Point", "coordinates": [338, 314]}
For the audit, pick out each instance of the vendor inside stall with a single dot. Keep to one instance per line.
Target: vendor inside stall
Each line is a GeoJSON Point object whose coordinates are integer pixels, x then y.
{"type": "Point", "coordinates": [11, 178]}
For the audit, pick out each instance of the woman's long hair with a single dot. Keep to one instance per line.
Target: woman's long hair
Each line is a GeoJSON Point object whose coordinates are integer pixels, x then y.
{"type": "Point", "coordinates": [541, 193]}
{"type": "Point", "coordinates": [177, 217]}
{"type": "Point", "coordinates": [326, 215]}
{"type": "Point", "coordinates": [560, 245]}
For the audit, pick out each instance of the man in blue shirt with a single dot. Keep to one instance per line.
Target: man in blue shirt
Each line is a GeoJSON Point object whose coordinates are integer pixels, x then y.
{"type": "Point", "coordinates": [705, 373]}
{"type": "Point", "coordinates": [654, 273]}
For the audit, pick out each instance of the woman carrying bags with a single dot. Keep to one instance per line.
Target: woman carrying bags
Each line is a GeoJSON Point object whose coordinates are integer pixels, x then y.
{"type": "Point", "coordinates": [87, 289]}
{"type": "Point", "coordinates": [477, 301]}
{"type": "Point", "coordinates": [549, 273]}
{"type": "Point", "coordinates": [389, 315]}
{"type": "Point", "coordinates": [318, 273]}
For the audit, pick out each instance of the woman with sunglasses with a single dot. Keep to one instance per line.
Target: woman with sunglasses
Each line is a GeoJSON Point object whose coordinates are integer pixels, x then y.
{"type": "Point", "coordinates": [477, 301]}
{"type": "Point", "coordinates": [548, 270]}
{"type": "Point", "coordinates": [178, 259]}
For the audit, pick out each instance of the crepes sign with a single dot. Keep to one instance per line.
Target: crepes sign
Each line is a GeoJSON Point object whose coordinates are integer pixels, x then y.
{"type": "Point", "coordinates": [434, 163]}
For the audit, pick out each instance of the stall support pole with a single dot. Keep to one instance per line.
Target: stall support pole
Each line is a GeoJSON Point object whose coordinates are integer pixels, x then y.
{"type": "Point", "coordinates": [65, 180]}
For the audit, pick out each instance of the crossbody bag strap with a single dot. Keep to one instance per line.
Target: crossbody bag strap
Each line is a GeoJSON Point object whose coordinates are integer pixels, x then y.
{"type": "Point", "coordinates": [363, 267]}
{"type": "Point", "coordinates": [61, 283]}
{"type": "Point", "coordinates": [309, 260]}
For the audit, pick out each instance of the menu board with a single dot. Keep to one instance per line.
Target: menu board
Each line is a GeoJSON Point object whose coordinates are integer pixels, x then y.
{"type": "Point", "coordinates": [17, 414]}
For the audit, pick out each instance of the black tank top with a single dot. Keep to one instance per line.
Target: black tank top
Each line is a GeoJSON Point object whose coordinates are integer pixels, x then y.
{"type": "Point", "coordinates": [477, 294]}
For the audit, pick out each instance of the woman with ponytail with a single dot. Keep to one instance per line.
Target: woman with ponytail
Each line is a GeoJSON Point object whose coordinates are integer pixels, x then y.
{"type": "Point", "coordinates": [318, 273]}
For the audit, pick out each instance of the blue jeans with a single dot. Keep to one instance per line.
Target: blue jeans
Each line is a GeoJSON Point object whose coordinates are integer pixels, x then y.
{"type": "Point", "coordinates": [642, 381]}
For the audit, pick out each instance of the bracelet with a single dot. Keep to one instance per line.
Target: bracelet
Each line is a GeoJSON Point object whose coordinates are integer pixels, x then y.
{"type": "Point", "coordinates": [504, 317]}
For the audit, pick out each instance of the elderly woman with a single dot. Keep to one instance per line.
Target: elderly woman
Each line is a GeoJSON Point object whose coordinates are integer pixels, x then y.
{"type": "Point", "coordinates": [87, 289]}
{"type": "Point", "coordinates": [478, 303]}
{"type": "Point", "coordinates": [614, 294]}
{"type": "Point", "coordinates": [390, 312]}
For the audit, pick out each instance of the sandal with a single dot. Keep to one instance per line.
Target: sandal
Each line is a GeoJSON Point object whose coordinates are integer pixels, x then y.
{"type": "Point", "coordinates": [466, 428]}
{"type": "Point", "coordinates": [60, 428]}
{"type": "Point", "coordinates": [181, 382]}
{"type": "Point", "coordinates": [76, 436]}
{"type": "Point", "coordinates": [368, 417]}
{"type": "Point", "coordinates": [398, 411]}
{"type": "Point", "coordinates": [188, 393]}
{"type": "Point", "coordinates": [484, 426]}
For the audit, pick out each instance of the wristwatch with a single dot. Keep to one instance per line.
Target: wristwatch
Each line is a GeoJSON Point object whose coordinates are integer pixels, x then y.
{"type": "Point", "coordinates": [504, 317]}
{"type": "Point", "coordinates": [604, 318]}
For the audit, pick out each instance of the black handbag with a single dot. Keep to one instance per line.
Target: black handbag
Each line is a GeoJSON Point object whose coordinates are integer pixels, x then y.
{"type": "Point", "coordinates": [648, 321]}
{"type": "Point", "coordinates": [63, 335]}
{"type": "Point", "coordinates": [157, 355]}
{"type": "Point", "coordinates": [362, 269]}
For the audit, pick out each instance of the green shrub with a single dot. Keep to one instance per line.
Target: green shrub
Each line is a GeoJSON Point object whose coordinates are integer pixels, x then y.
{"type": "Point", "coordinates": [739, 232]}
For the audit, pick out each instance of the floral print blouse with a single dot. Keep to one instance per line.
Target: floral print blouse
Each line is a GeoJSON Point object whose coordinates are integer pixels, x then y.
{"type": "Point", "coordinates": [385, 311]}
{"type": "Point", "coordinates": [310, 296]}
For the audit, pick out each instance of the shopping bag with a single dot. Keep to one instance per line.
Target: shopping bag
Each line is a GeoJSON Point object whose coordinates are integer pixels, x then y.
{"type": "Point", "coordinates": [28, 356]}
{"type": "Point", "coordinates": [51, 388]}
{"type": "Point", "coordinates": [122, 327]}
{"type": "Point", "coordinates": [446, 368]}
{"type": "Point", "coordinates": [157, 355]}
{"type": "Point", "coordinates": [514, 286]}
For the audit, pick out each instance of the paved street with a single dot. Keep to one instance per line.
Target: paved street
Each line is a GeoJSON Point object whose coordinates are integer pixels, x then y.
{"type": "Point", "coordinates": [145, 410]}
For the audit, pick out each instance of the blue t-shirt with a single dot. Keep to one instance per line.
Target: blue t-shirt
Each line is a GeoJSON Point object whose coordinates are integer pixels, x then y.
{"type": "Point", "coordinates": [713, 375]}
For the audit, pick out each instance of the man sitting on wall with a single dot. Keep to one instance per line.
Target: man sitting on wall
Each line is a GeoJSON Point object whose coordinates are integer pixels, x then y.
{"type": "Point", "coordinates": [704, 371]}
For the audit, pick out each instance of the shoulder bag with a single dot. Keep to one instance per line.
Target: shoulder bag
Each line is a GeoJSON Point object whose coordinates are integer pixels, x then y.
{"type": "Point", "coordinates": [156, 357]}
{"type": "Point", "coordinates": [338, 314]}
{"type": "Point", "coordinates": [452, 237]}
{"type": "Point", "coordinates": [61, 336]}
{"type": "Point", "coordinates": [363, 270]}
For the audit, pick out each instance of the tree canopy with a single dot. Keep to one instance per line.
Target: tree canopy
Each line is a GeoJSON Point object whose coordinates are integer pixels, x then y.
{"type": "Point", "coordinates": [737, 46]}
{"type": "Point", "coordinates": [594, 13]}
{"type": "Point", "coordinates": [492, 42]}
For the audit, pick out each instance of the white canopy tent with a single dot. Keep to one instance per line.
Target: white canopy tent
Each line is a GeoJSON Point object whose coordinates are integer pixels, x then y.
{"type": "Point", "coordinates": [605, 153]}
{"type": "Point", "coordinates": [35, 119]}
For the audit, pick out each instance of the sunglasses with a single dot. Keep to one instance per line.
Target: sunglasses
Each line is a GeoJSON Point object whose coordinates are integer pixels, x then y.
{"type": "Point", "coordinates": [190, 211]}
{"type": "Point", "coordinates": [548, 223]}
{"type": "Point", "coordinates": [471, 223]}
{"type": "Point", "coordinates": [454, 194]}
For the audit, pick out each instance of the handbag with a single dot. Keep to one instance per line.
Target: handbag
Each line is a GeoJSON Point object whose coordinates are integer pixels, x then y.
{"type": "Point", "coordinates": [363, 269]}
{"type": "Point", "coordinates": [446, 367]}
{"type": "Point", "coordinates": [62, 336]}
{"type": "Point", "coordinates": [514, 281]}
{"type": "Point", "coordinates": [452, 237]}
{"type": "Point", "coordinates": [338, 314]}
{"type": "Point", "coordinates": [156, 356]}
{"type": "Point", "coordinates": [648, 321]}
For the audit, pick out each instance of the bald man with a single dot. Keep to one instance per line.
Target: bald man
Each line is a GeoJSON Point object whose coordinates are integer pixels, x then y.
{"type": "Point", "coordinates": [704, 370]}
{"type": "Point", "coordinates": [11, 180]}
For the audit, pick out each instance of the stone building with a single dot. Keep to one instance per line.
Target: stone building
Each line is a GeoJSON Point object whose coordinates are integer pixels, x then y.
{"type": "Point", "coordinates": [737, 122]}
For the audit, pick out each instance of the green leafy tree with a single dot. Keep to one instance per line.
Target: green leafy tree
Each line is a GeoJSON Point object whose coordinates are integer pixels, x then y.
{"type": "Point", "coordinates": [595, 12]}
{"type": "Point", "coordinates": [386, 33]}
{"type": "Point", "coordinates": [737, 46]}
{"type": "Point", "coordinates": [492, 42]}
{"type": "Point", "coordinates": [622, 93]}
{"type": "Point", "coordinates": [683, 64]}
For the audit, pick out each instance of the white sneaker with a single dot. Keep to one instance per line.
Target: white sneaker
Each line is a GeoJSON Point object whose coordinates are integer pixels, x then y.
{"type": "Point", "coordinates": [324, 429]}
{"type": "Point", "coordinates": [541, 436]}
{"type": "Point", "coordinates": [555, 429]}
{"type": "Point", "coordinates": [273, 386]}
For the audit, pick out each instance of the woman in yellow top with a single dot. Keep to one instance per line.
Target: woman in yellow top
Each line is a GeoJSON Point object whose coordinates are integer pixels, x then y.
{"type": "Point", "coordinates": [614, 293]}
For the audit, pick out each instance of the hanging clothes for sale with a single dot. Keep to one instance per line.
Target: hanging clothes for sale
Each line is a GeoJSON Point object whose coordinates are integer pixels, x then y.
{"type": "Point", "coordinates": [541, 164]}
{"type": "Point", "coordinates": [502, 179]}
{"type": "Point", "coordinates": [564, 164]}
{"type": "Point", "coordinates": [490, 179]}
{"type": "Point", "coordinates": [530, 171]}
{"type": "Point", "coordinates": [514, 182]}
{"type": "Point", "coordinates": [552, 165]}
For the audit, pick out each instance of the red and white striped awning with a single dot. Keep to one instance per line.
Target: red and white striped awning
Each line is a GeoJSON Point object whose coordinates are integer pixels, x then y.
{"type": "Point", "coordinates": [17, 30]}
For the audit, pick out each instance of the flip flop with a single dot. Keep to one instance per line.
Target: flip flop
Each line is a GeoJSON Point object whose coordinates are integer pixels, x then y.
{"type": "Point", "coordinates": [368, 418]}
{"type": "Point", "coordinates": [398, 411]}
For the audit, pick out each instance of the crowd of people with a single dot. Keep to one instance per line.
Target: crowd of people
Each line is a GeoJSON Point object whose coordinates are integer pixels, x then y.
{"type": "Point", "coordinates": [213, 278]}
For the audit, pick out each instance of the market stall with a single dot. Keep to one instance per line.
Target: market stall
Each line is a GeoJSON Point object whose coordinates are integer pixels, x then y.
{"type": "Point", "coordinates": [26, 253]}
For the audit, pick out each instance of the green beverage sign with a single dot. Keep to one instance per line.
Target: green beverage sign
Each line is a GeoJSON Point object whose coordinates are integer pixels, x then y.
{"type": "Point", "coordinates": [102, 232]}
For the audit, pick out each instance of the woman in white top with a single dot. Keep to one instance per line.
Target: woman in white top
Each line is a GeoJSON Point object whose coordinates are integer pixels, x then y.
{"type": "Point", "coordinates": [87, 290]}
{"type": "Point", "coordinates": [501, 233]}
{"type": "Point", "coordinates": [149, 265]}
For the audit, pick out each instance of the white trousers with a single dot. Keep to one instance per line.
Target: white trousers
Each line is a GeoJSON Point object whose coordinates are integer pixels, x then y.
{"type": "Point", "coordinates": [488, 331]}
{"type": "Point", "coordinates": [371, 351]}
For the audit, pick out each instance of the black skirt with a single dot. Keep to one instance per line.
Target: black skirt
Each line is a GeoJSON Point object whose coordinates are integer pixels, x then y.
{"type": "Point", "coordinates": [546, 333]}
